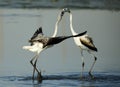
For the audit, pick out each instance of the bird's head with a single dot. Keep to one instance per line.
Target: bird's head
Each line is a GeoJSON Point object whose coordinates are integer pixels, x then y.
{"type": "Point", "coordinates": [65, 10]}
{"type": "Point", "coordinates": [62, 13]}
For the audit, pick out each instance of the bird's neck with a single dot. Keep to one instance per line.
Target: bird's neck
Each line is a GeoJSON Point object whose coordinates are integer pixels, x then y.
{"type": "Point", "coordinates": [56, 26]}
{"type": "Point", "coordinates": [56, 29]}
{"type": "Point", "coordinates": [71, 25]}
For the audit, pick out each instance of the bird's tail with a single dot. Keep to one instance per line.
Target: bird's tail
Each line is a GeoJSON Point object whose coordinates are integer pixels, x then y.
{"type": "Point", "coordinates": [26, 47]}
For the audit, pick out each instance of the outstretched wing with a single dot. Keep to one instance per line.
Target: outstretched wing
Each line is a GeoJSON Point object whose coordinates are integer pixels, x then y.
{"type": "Point", "coordinates": [37, 33]}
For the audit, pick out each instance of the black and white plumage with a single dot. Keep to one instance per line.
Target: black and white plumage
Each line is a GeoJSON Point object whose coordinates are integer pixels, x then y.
{"type": "Point", "coordinates": [48, 41]}
{"type": "Point", "coordinates": [39, 34]}
{"type": "Point", "coordinates": [85, 42]}
{"type": "Point", "coordinates": [39, 42]}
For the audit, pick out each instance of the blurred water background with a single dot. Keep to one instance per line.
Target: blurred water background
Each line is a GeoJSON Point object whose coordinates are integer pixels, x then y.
{"type": "Point", "coordinates": [62, 63]}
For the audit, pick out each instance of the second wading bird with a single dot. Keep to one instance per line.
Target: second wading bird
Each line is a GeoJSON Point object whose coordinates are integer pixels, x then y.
{"type": "Point", "coordinates": [85, 42]}
{"type": "Point", "coordinates": [59, 18]}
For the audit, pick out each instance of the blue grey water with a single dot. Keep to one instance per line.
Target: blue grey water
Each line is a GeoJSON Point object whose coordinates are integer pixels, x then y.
{"type": "Point", "coordinates": [61, 64]}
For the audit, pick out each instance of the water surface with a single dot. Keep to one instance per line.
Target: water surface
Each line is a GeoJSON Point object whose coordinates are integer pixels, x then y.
{"type": "Point", "coordinates": [63, 80]}
{"type": "Point", "coordinates": [18, 25]}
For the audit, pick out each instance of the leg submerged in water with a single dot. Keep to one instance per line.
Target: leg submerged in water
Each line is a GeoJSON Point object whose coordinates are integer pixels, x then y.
{"type": "Point", "coordinates": [39, 78]}
{"type": "Point", "coordinates": [95, 59]}
{"type": "Point", "coordinates": [34, 66]}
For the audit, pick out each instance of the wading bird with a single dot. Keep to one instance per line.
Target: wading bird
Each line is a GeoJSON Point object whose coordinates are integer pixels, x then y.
{"type": "Point", "coordinates": [85, 42]}
{"type": "Point", "coordinates": [59, 18]}
{"type": "Point", "coordinates": [39, 42]}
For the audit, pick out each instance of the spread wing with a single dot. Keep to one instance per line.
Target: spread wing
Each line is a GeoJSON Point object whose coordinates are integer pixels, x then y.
{"type": "Point", "coordinates": [36, 36]}
{"type": "Point", "coordinates": [88, 42]}
{"type": "Point", "coordinates": [37, 33]}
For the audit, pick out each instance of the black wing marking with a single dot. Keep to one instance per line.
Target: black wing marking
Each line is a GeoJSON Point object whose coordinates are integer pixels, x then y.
{"type": "Point", "coordinates": [38, 31]}
{"type": "Point", "coordinates": [88, 42]}
{"type": "Point", "coordinates": [54, 40]}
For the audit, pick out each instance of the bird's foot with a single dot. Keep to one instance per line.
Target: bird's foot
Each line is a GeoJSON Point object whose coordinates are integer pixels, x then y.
{"type": "Point", "coordinates": [82, 77]}
{"type": "Point", "coordinates": [92, 77]}
{"type": "Point", "coordinates": [33, 78]}
{"type": "Point", "coordinates": [39, 77]}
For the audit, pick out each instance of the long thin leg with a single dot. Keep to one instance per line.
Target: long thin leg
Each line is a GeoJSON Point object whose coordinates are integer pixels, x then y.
{"type": "Point", "coordinates": [83, 64]}
{"type": "Point", "coordinates": [95, 59]}
{"type": "Point", "coordinates": [31, 61]}
{"type": "Point", "coordinates": [36, 68]}
{"type": "Point", "coordinates": [34, 65]}
{"type": "Point", "coordinates": [39, 77]}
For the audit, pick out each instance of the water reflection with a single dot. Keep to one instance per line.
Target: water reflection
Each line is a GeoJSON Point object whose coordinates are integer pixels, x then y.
{"type": "Point", "coordinates": [64, 79]}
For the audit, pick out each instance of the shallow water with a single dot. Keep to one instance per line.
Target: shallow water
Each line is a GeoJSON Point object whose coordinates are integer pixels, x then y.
{"type": "Point", "coordinates": [18, 25]}
{"type": "Point", "coordinates": [63, 80]}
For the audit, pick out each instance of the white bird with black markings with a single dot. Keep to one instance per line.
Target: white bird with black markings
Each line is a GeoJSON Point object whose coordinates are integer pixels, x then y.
{"type": "Point", "coordinates": [85, 42]}
{"type": "Point", "coordinates": [59, 18]}
{"type": "Point", "coordinates": [39, 42]}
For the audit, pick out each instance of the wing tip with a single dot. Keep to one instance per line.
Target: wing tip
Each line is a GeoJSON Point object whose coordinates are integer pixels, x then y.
{"type": "Point", "coordinates": [95, 49]}
{"type": "Point", "coordinates": [39, 30]}
{"type": "Point", "coordinates": [83, 33]}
